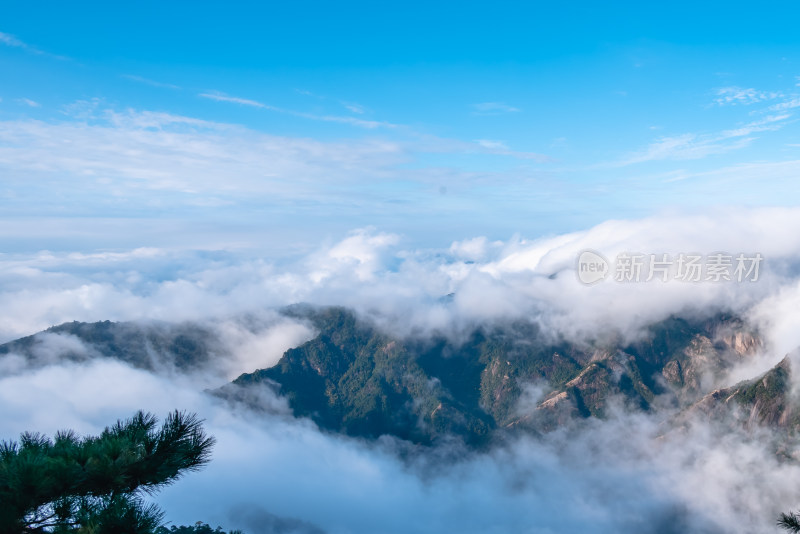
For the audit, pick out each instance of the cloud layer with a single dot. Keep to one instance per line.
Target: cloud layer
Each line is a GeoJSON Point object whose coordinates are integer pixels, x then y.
{"type": "Point", "coordinates": [271, 469]}
{"type": "Point", "coordinates": [96, 176]}
{"type": "Point", "coordinates": [378, 274]}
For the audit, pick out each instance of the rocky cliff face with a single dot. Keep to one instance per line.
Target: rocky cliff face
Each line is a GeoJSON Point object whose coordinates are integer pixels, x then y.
{"type": "Point", "coordinates": [351, 378]}
{"type": "Point", "coordinates": [765, 400]}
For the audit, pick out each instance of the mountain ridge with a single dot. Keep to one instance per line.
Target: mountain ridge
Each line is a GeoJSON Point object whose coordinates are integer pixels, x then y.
{"type": "Point", "coordinates": [354, 378]}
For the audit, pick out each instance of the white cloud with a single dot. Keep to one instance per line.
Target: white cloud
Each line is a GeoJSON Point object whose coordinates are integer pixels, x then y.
{"type": "Point", "coordinates": [260, 347]}
{"type": "Point", "coordinates": [10, 40]}
{"type": "Point", "coordinates": [618, 476]}
{"type": "Point", "coordinates": [90, 178]}
{"type": "Point", "coordinates": [493, 108]}
{"type": "Point", "coordinates": [169, 152]}
{"type": "Point", "coordinates": [490, 144]}
{"type": "Point", "coordinates": [500, 148]}
{"type": "Point", "coordinates": [148, 81]}
{"type": "Point", "coordinates": [353, 121]}
{"type": "Point", "coordinates": [788, 104]}
{"type": "Point", "coordinates": [28, 102]}
{"type": "Point", "coordinates": [769, 123]}
{"type": "Point", "coordinates": [219, 97]}
{"type": "Point", "coordinates": [355, 108]}
{"type": "Point", "coordinates": [101, 164]}
{"type": "Point", "coordinates": [615, 476]}
{"type": "Point", "coordinates": [694, 146]}
{"type": "Point", "coordinates": [685, 147]}
{"type": "Point", "coordinates": [474, 249]}
{"type": "Point", "coordinates": [740, 95]}
{"type": "Point", "coordinates": [371, 272]}
{"type": "Point", "coordinates": [360, 253]}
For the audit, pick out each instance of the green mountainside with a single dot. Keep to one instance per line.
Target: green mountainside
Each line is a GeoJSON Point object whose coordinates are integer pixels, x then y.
{"type": "Point", "coordinates": [142, 345]}
{"type": "Point", "coordinates": [356, 379]}
{"type": "Point", "coordinates": [352, 378]}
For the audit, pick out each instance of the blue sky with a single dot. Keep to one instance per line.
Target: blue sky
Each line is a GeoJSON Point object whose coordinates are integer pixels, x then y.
{"type": "Point", "coordinates": [279, 125]}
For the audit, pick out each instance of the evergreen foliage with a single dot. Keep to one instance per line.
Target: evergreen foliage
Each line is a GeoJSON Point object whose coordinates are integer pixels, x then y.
{"type": "Point", "coordinates": [198, 528]}
{"type": "Point", "coordinates": [96, 484]}
{"type": "Point", "coordinates": [790, 522]}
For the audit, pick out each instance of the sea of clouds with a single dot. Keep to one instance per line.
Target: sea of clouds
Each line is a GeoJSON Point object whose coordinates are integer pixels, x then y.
{"type": "Point", "coordinates": [274, 473]}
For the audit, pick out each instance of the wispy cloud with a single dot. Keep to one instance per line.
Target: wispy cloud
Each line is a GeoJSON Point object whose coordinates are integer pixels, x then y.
{"type": "Point", "coordinates": [770, 123]}
{"type": "Point", "coordinates": [137, 151]}
{"type": "Point", "coordinates": [740, 95]}
{"type": "Point", "coordinates": [220, 97]}
{"type": "Point", "coordinates": [689, 146]}
{"type": "Point", "coordinates": [361, 123]}
{"type": "Point", "coordinates": [147, 81]}
{"type": "Point", "coordinates": [353, 121]}
{"type": "Point", "coordinates": [683, 147]}
{"type": "Point", "coordinates": [28, 102]}
{"type": "Point", "coordinates": [492, 144]}
{"type": "Point", "coordinates": [355, 108]}
{"type": "Point", "coordinates": [788, 104]}
{"type": "Point", "coordinates": [696, 146]}
{"type": "Point", "coordinates": [493, 108]}
{"type": "Point", "coordinates": [10, 40]}
{"type": "Point", "coordinates": [500, 148]}
{"type": "Point", "coordinates": [98, 163]}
